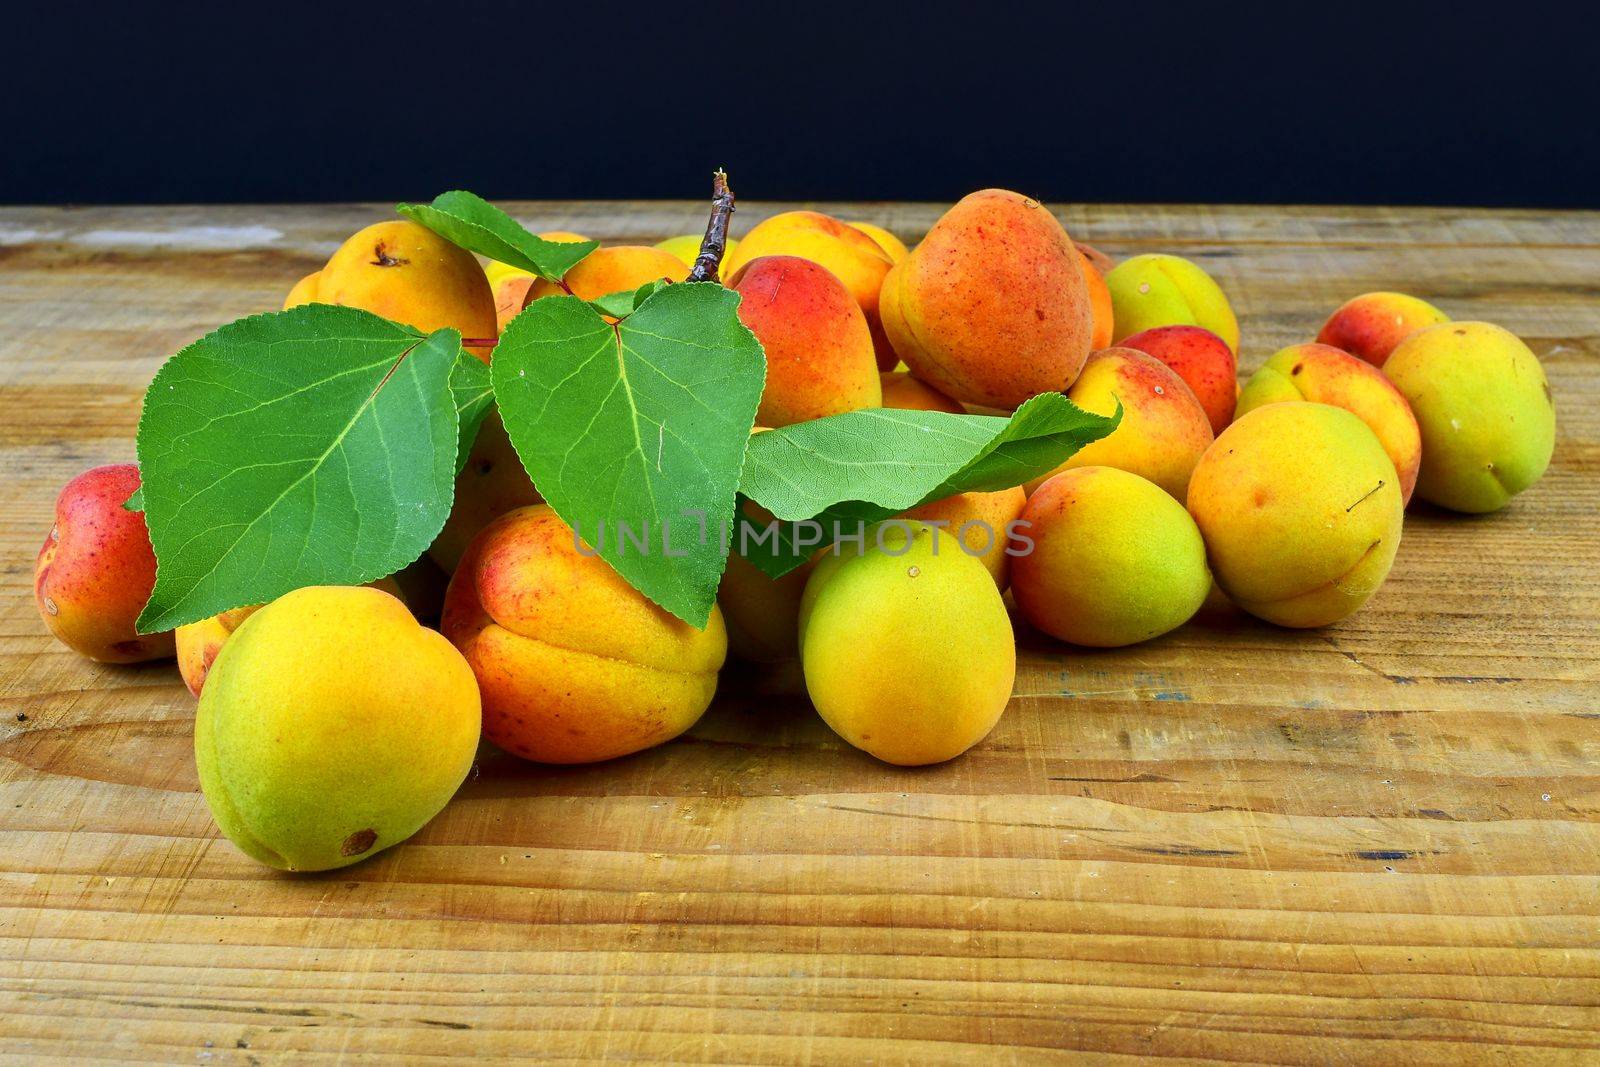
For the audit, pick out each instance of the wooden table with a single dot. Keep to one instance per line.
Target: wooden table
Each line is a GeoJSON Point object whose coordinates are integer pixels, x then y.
{"type": "Point", "coordinates": [1377, 843]}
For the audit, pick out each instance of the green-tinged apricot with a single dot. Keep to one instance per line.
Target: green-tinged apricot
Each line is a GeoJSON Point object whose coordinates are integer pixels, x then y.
{"type": "Point", "coordinates": [1114, 561]}
{"type": "Point", "coordinates": [1369, 326]}
{"type": "Point", "coordinates": [1484, 407]}
{"type": "Point", "coordinates": [1163, 430]}
{"type": "Point", "coordinates": [574, 664]}
{"type": "Point", "coordinates": [1158, 290]}
{"type": "Point", "coordinates": [820, 358]}
{"type": "Point", "coordinates": [991, 307]}
{"type": "Point", "coordinates": [1300, 509]}
{"type": "Point", "coordinates": [1326, 375]}
{"type": "Point", "coordinates": [331, 727]}
{"type": "Point", "coordinates": [96, 569]}
{"type": "Point", "coordinates": [907, 649]}
{"type": "Point", "coordinates": [491, 483]}
{"type": "Point", "coordinates": [410, 274]}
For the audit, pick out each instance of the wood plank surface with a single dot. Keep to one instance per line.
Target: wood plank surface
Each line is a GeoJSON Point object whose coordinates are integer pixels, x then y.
{"type": "Point", "coordinates": [1374, 843]}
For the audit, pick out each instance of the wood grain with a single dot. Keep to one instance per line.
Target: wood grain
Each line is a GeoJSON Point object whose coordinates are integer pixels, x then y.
{"type": "Point", "coordinates": [1374, 843]}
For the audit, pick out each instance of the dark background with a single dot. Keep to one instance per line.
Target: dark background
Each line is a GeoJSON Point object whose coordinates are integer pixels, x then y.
{"type": "Point", "coordinates": [1126, 102]}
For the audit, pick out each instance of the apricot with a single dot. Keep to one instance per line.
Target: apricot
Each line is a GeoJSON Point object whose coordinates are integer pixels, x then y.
{"type": "Point", "coordinates": [819, 351]}
{"type": "Point", "coordinates": [992, 307]}
{"type": "Point", "coordinates": [907, 650]}
{"type": "Point", "coordinates": [1300, 509]}
{"type": "Point", "coordinates": [332, 726]}
{"type": "Point", "coordinates": [510, 284]}
{"type": "Point", "coordinates": [1328, 376]}
{"type": "Point", "coordinates": [1115, 560]}
{"type": "Point", "coordinates": [574, 664]}
{"type": "Point", "coordinates": [1163, 430]}
{"type": "Point", "coordinates": [510, 296]}
{"type": "Point", "coordinates": [408, 273]}
{"type": "Point", "coordinates": [1101, 310]}
{"type": "Point", "coordinates": [762, 614]}
{"type": "Point", "coordinates": [96, 570]}
{"type": "Point", "coordinates": [853, 257]}
{"type": "Point", "coordinates": [892, 246]}
{"type": "Point", "coordinates": [613, 270]}
{"type": "Point", "coordinates": [491, 483]}
{"type": "Point", "coordinates": [200, 642]}
{"type": "Point", "coordinates": [1159, 290]}
{"type": "Point", "coordinates": [979, 523]}
{"type": "Point", "coordinates": [304, 291]}
{"type": "Point", "coordinates": [901, 390]}
{"type": "Point", "coordinates": [1483, 405]}
{"type": "Point", "coordinates": [687, 248]}
{"type": "Point", "coordinates": [1369, 326]}
{"type": "Point", "coordinates": [1203, 360]}
{"type": "Point", "coordinates": [1097, 259]}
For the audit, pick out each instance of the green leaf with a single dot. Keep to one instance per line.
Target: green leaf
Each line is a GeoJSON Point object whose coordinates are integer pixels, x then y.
{"type": "Point", "coordinates": [135, 503]}
{"type": "Point", "coordinates": [478, 226]}
{"type": "Point", "coordinates": [617, 305]}
{"type": "Point", "coordinates": [641, 423]}
{"type": "Point", "coordinates": [474, 396]}
{"type": "Point", "coordinates": [649, 289]}
{"type": "Point", "coordinates": [315, 446]}
{"type": "Point", "coordinates": [867, 465]}
{"type": "Point", "coordinates": [621, 304]}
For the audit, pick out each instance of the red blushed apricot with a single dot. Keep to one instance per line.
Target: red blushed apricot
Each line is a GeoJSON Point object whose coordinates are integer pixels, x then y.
{"type": "Point", "coordinates": [96, 569]}
{"type": "Point", "coordinates": [573, 663]}
{"type": "Point", "coordinates": [820, 358]}
{"type": "Point", "coordinates": [1203, 360]}
{"type": "Point", "coordinates": [1163, 431]}
{"type": "Point", "coordinates": [901, 390]}
{"type": "Point", "coordinates": [992, 307]}
{"type": "Point", "coordinates": [1371, 325]}
{"type": "Point", "coordinates": [850, 254]}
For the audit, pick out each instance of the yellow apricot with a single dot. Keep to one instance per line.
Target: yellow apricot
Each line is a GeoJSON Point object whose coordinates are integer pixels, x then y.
{"type": "Point", "coordinates": [1300, 509]}
{"type": "Point", "coordinates": [304, 291]}
{"type": "Point", "coordinates": [892, 246]}
{"type": "Point", "coordinates": [410, 274]}
{"type": "Point", "coordinates": [1113, 559]}
{"type": "Point", "coordinates": [907, 650]}
{"type": "Point", "coordinates": [331, 727]}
